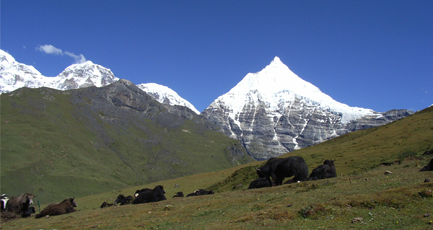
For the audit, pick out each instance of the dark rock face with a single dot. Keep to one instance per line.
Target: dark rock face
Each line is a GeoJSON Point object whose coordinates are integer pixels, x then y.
{"type": "Point", "coordinates": [266, 133]}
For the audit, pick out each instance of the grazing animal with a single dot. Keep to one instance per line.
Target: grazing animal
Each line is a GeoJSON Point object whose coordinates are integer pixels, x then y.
{"type": "Point", "coordinates": [123, 200]}
{"type": "Point", "coordinates": [3, 201]}
{"type": "Point", "coordinates": [259, 183]}
{"type": "Point", "coordinates": [428, 167]}
{"type": "Point", "coordinates": [327, 170]}
{"type": "Point", "coordinates": [105, 204]}
{"type": "Point", "coordinates": [178, 194]}
{"type": "Point", "coordinates": [142, 190]}
{"type": "Point", "coordinates": [200, 192]}
{"type": "Point", "coordinates": [66, 206]}
{"type": "Point", "coordinates": [28, 212]}
{"type": "Point", "coordinates": [154, 195]}
{"type": "Point", "coordinates": [279, 168]}
{"type": "Point", "coordinates": [19, 204]}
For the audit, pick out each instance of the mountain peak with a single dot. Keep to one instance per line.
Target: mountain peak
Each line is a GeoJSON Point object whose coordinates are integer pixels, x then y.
{"type": "Point", "coordinates": [276, 61]}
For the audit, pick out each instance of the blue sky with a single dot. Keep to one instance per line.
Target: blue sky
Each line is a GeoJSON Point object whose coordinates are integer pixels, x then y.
{"type": "Point", "coordinates": [367, 53]}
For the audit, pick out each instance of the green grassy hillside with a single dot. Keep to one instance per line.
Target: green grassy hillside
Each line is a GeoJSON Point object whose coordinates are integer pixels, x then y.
{"type": "Point", "coordinates": [76, 143]}
{"type": "Point", "coordinates": [361, 197]}
{"type": "Point", "coordinates": [360, 151]}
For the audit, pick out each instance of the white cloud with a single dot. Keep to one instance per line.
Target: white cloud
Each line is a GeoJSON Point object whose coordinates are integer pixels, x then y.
{"type": "Point", "coordinates": [50, 49]}
{"type": "Point", "coordinates": [78, 58]}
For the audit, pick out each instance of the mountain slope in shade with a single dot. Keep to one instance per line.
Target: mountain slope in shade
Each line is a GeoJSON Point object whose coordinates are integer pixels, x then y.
{"type": "Point", "coordinates": [274, 111]}
{"type": "Point", "coordinates": [165, 95]}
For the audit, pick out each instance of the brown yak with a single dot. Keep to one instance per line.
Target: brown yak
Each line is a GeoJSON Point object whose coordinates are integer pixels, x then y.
{"type": "Point", "coordinates": [66, 206]}
{"type": "Point", "coordinates": [19, 204]}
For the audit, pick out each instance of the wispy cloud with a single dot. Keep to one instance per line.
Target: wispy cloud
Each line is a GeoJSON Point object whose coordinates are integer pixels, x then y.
{"type": "Point", "coordinates": [78, 58]}
{"type": "Point", "coordinates": [50, 49]}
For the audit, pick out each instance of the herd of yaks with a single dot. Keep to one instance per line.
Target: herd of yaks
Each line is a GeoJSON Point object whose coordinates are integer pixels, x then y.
{"type": "Point", "coordinates": [275, 168]}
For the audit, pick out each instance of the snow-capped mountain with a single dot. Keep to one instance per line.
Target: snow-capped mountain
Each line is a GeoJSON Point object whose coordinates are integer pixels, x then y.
{"type": "Point", "coordinates": [83, 75]}
{"type": "Point", "coordinates": [274, 111]}
{"type": "Point", "coordinates": [14, 75]}
{"type": "Point", "coordinates": [165, 95]}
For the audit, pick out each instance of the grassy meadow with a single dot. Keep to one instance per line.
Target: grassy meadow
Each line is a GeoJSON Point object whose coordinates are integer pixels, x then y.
{"type": "Point", "coordinates": [76, 143]}
{"type": "Point", "coordinates": [363, 196]}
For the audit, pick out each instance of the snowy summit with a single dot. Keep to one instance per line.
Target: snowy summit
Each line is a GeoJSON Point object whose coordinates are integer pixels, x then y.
{"type": "Point", "coordinates": [278, 86]}
{"type": "Point", "coordinates": [165, 95]}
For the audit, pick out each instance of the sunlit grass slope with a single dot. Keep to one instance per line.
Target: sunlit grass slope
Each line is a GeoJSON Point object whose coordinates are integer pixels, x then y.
{"type": "Point", "coordinates": [363, 196]}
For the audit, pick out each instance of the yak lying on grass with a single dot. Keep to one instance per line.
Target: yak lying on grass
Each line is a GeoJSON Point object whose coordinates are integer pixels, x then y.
{"type": "Point", "coordinates": [200, 192]}
{"type": "Point", "coordinates": [154, 195]}
{"type": "Point", "coordinates": [66, 206]}
{"type": "Point", "coordinates": [19, 204]}
{"type": "Point", "coordinates": [105, 204]}
{"type": "Point", "coordinates": [280, 168]}
{"type": "Point", "coordinates": [178, 194]}
{"type": "Point", "coordinates": [259, 183]}
{"type": "Point", "coordinates": [327, 170]}
{"type": "Point", "coordinates": [122, 200]}
{"type": "Point", "coordinates": [428, 167]}
{"type": "Point", "coordinates": [141, 190]}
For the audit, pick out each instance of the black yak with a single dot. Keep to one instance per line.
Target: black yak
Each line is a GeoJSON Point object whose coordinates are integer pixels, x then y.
{"type": "Point", "coordinates": [178, 194]}
{"type": "Point", "coordinates": [280, 168]}
{"type": "Point", "coordinates": [154, 195]}
{"type": "Point", "coordinates": [259, 183]}
{"type": "Point", "coordinates": [123, 199]}
{"type": "Point", "coordinates": [105, 204]}
{"type": "Point", "coordinates": [200, 192]}
{"type": "Point", "coordinates": [327, 170]}
{"type": "Point", "coordinates": [141, 190]}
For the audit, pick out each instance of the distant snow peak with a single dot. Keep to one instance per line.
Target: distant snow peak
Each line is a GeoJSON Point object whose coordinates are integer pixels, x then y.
{"type": "Point", "coordinates": [165, 95]}
{"type": "Point", "coordinates": [16, 75]}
